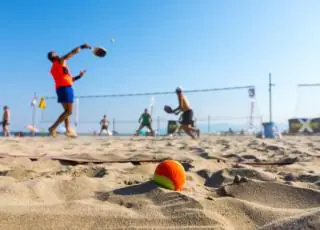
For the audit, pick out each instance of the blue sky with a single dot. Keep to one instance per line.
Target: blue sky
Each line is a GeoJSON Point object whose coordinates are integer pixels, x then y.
{"type": "Point", "coordinates": [160, 45]}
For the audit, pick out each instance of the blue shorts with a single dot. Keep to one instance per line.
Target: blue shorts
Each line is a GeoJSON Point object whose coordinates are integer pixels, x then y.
{"type": "Point", "coordinates": [65, 94]}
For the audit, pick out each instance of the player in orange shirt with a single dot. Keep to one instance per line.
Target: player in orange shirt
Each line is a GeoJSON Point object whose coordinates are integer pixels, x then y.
{"type": "Point", "coordinates": [63, 84]}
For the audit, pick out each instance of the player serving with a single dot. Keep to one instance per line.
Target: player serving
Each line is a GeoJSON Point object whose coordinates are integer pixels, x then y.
{"type": "Point", "coordinates": [63, 84]}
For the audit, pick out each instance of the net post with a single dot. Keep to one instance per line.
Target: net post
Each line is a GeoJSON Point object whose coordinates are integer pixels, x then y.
{"type": "Point", "coordinates": [113, 125]}
{"type": "Point", "coordinates": [76, 113]}
{"type": "Point", "coordinates": [34, 110]}
{"type": "Point", "coordinates": [158, 124]}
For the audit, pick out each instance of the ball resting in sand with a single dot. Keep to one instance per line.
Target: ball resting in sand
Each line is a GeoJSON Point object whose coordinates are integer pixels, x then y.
{"type": "Point", "coordinates": [171, 175]}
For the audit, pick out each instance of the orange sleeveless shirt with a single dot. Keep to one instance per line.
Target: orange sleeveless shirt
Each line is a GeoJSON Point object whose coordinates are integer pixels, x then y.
{"type": "Point", "coordinates": [61, 74]}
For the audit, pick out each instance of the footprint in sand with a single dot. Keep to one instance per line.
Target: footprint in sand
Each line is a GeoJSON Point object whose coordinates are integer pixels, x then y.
{"type": "Point", "coordinates": [96, 172]}
{"type": "Point", "coordinates": [225, 176]}
{"type": "Point", "coordinates": [309, 178]}
{"type": "Point", "coordinates": [70, 147]}
{"type": "Point", "coordinates": [19, 174]}
{"type": "Point", "coordinates": [132, 150]}
{"type": "Point", "coordinates": [157, 151]}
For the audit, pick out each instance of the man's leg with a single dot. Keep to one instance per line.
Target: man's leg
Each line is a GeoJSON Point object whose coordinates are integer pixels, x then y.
{"type": "Point", "coordinates": [107, 129]}
{"type": "Point", "coordinates": [150, 128]}
{"type": "Point", "coordinates": [139, 129]}
{"type": "Point", "coordinates": [188, 130]}
{"type": "Point", "coordinates": [177, 131]}
{"type": "Point", "coordinates": [101, 129]}
{"type": "Point", "coordinates": [64, 117]}
{"type": "Point", "coordinates": [67, 107]}
{"type": "Point", "coordinates": [67, 123]}
{"type": "Point", "coordinates": [196, 130]}
{"type": "Point", "coordinates": [186, 124]}
{"type": "Point", "coordinates": [5, 132]}
{"type": "Point", "coordinates": [8, 130]}
{"type": "Point", "coordinates": [188, 121]}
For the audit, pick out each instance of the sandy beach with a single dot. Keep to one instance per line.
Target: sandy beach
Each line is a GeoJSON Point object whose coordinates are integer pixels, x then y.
{"type": "Point", "coordinates": [232, 183]}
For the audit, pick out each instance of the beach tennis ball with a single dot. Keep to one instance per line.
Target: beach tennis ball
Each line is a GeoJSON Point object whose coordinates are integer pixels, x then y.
{"type": "Point", "coordinates": [170, 174]}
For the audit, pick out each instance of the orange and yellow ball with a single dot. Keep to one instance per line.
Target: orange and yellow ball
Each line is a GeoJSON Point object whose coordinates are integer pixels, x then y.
{"type": "Point", "coordinates": [170, 174]}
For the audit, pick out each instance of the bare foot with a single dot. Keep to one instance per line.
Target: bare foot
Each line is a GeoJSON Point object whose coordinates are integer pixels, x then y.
{"type": "Point", "coordinates": [52, 132]}
{"type": "Point", "coordinates": [71, 133]}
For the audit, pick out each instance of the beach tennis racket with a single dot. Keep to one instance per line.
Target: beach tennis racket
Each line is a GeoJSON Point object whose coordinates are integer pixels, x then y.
{"type": "Point", "coordinates": [99, 51]}
{"type": "Point", "coordinates": [168, 109]}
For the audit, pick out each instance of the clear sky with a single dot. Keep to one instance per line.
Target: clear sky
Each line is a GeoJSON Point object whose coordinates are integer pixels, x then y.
{"type": "Point", "coordinates": [160, 45]}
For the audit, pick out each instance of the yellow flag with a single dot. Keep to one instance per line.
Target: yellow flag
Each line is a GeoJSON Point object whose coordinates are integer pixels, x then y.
{"type": "Point", "coordinates": [42, 103]}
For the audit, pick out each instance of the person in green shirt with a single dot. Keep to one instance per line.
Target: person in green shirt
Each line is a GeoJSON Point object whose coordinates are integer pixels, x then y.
{"type": "Point", "coordinates": [145, 120]}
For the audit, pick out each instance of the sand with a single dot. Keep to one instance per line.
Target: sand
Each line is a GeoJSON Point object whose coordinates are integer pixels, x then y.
{"type": "Point", "coordinates": [223, 190]}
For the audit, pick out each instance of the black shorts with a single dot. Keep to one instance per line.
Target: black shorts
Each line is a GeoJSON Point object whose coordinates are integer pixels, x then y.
{"type": "Point", "coordinates": [5, 123]}
{"type": "Point", "coordinates": [187, 118]}
{"type": "Point", "coordinates": [104, 127]}
{"type": "Point", "coordinates": [148, 125]}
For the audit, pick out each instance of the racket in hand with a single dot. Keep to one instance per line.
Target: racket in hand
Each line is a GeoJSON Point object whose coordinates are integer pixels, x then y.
{"type": "Point", "coordinates": [168, 109]}
{"type": "Point", "coordinates": [99, 51]}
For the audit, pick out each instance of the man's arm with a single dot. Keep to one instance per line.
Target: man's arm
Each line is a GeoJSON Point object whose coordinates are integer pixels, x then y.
{"type": "Point", "coordinates": [79, 76]}
{"type": "Point", "coordinates": [140, 118]}
{"type": "Point", "coordinates": [76, 78]}
{"type": "Point", "coordinates": [74, 51]}
{"type": "Point", "coordinates": [178, 109]}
